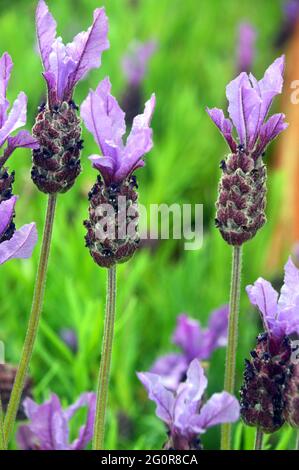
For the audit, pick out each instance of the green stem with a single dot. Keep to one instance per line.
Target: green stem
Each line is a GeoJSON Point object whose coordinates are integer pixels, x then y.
{"type": "Point", "coordinates": [103, 379]}
{"type": "Point", "coordinates": [31, 334]}
{"type": "Point", "coordinates": [231, 352]}
{"type": "Point", "coordinates": [2, 440]}
{"type": "Point", "coordinates": [258, 440]}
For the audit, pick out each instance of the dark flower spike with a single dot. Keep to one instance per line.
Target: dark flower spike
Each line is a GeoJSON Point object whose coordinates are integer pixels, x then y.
{"type": "Point", "coordinates": [241, 202]}
{"type": "Point", "coordinates": [7, 378]}
{"type": "Point", "coordinates": [10, 122]}
{"type": "Point", "coordinates": [270, 388]}
{"type": "Point", "coordinates": [184, 412]}
{"type": "Point", "coordinates": [106, 121]}
{"type": "Point", "coordinates": [14, 244]}
{"type": "Point", "coordinates": [48, 427]}
{"type": "Point", "coordinates": [195, 343]}
{"type": "Point", "coordinates": [280, 317]}
{"type": "Point", "coordinates": [56, 164]}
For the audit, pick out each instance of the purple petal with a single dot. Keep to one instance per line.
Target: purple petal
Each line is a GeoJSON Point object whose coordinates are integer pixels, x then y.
{"type": "Point", "coordinates": [46, 32]}
{"type": "Point", "coordinates": [224, 125]}
{"type": "Point", "coordinates": [188, 397]}
{"type": "Point", "coordinates": [51, 85]}
{"type": "Point", "coordinates": [48, 424]}
{"type": "Point", "coordinates": [270, 130]}
{"type": "Point", "coordinates": [26, 439]}
{"type": "Point", "coordinates": [135, 62]}
{"type": "Point", "coordinates": [104, 118]}
{"type": "Point", "coordinates": [6, 65]}
{"type": "Point", "coordinates": [269, 86]}
{"type": "Point", "coordinates": [262, 295]}
{"type": "Point", "coordinates": [16, 117]}
{"type": "Point", "coordinates": [246, 47]}
{"type": "Point", "coordinates": [139, 142]}
{"type": "Point", "coordinates": [87, 47]}
{"type": "Point", "coordinates": [290, 289]}
{"type": "Point", "coordinates": [163, 398]}
{"type": "Point", "coordinates": [6, 213]}
{"type": "Point", "coordinates": [20, 245]}
{"type": "Point", "coordinates": [171, 368]}
{"type": "Point", "coordinates": [62, 66]}
{"type": "Point", "coordinates": [189, 336]}
{"type": "Point", "coordinates": [216, 334]}
{"type": "Point", "coordinates": [220, 408]}
{"type": "Point", "coordinates": [86, 432]}
{"type": "Point", "coordinates": [23, 139]}
{"type": "Point", "coordinates": [243, 102]}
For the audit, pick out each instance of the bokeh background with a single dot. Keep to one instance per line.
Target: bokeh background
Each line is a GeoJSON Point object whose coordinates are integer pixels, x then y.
{"type": "Point", "coordinates": [195, 59]}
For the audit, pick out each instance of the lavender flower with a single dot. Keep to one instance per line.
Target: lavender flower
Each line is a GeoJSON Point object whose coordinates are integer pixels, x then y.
{"type": "Point", "coordinates": [135, 64]}
{"type": "Point", "coordinates": [7, 378]}
{"type": "Point", "coordinates": [48, 427]}
{"type": "Point", "coordinates": [185, 414]}
{"type": "Point", "coordinates": [135, 61]}
{"type": "Point", "coordinates": [241, 202]}
{"type": "Point", "coordinates": [291, 16]}
{"type": "Point", "coordinates": [106, 121]}
{"type": "Point", "coordinates": [195, 342]}
{"type": "Point", "coordinates": [270, 377]}
{"type": "Point", "coordinates": [57, 163]}
{"type": "Point", "coordinates": [246, 47]}
{"type": "Point", "coordinates": [9, 122]}
{"type": "Point", "coordinates": [14, 244]}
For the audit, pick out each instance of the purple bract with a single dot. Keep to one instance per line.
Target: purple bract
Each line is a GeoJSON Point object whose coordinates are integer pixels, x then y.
{"type": "Point", "coordinates": [48, 427]}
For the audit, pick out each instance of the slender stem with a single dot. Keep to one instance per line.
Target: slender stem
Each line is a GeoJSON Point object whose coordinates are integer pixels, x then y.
{"type": "Point", "coordinates": [2, 440]}
{"type": "Point", "coordinates": [297, 441]}
{"type": "Point", "coordinates": [231, 352]}
{"type": "Point", "coordinates": [103, 379]}
{"type": "Point", "coordinates": [258, 440]}
{"type": "Point", "coordinates": [31, 334]}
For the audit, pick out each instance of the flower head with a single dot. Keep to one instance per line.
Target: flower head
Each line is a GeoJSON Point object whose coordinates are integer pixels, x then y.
{"type": "Point", "coordinates": [184, 412]}
{"type": "Point", "coordinates": [104, 118]}
{"type": "Point", "coordinates": [195, 343]}
{"type": "Point", "coordinates": [280, 314]}
{"type": "Point", "coordinates": [14, 244]}
{"type": "Point", "coordinates": [249, 104]}
{"type": "Point", "coordinates": [48, 427]}
{"type": "Point", "coordinates": [246, 47]}
{"type": "Point", "coordinates": [135, 61]}
{"type": "Point", "coordinates": [66, 65]}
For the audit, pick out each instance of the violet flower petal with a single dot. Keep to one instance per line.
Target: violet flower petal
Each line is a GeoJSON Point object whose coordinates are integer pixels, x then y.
{"type": "Point", "coordinates": [20, 245]}
{"type": "Point", "coordinates": [224, 125]}
{"type": "Point", "coordinates": [62, 66]}
{"type": "Point", "coordinates": [16, 117]}
{"type": "Point", "coordinates": [188, 335]}
{"type": "Point", "coordinates": [172, 369]}
{"type": "Point", "coordinates": [26, 439]}
{"type": "Point", "coordinates": [215, 336]}
{"type": "Point", "coordinates": [46, 32]}
{"type": "Point", "coordinates": [6, 213]}
{"type": "Point", "coordinates": [163, 398]}
{"type": "Point", "coordinates": [270, 130]}
{"type": "Point", "coordinates": [243, 99]}
{"type": "Point", "coordinates": [86, 431]}
{"type": "Point", "coordinates": [48, 423]}
{"type": "Point", "coordinates": [220, 408]}
{"type": "Point", "coordinates": [104, 118]}
{"type": "Point", "coordinates": [87, 47]}
{"type": "Point", "coordinates": [23, 139]}
{"type": "Point", "coordinates": [135, 62]}
{"type": "Point", "coordinates": [6, 65]}
{"type": "Point", "coordinates": [139, 141]}
{"type": "Point", "coordinates": [262, 295]}
{"type": "Point", "coordinates": [246, 47]}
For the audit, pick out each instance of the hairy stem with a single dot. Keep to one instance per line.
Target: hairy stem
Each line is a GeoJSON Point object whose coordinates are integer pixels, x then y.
{"type": "Point", "coordinates": [231, 352]}
{"type": "Point", "coordinates": [258, 440]}
{"type": "Point", "coordinates": [31, 334]}
{"type": "Point", "coordinates": [104, 373]}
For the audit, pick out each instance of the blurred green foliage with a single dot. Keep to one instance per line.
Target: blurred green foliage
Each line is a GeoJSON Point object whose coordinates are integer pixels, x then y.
{"type": "Point", "coordinates": [194, 62]}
